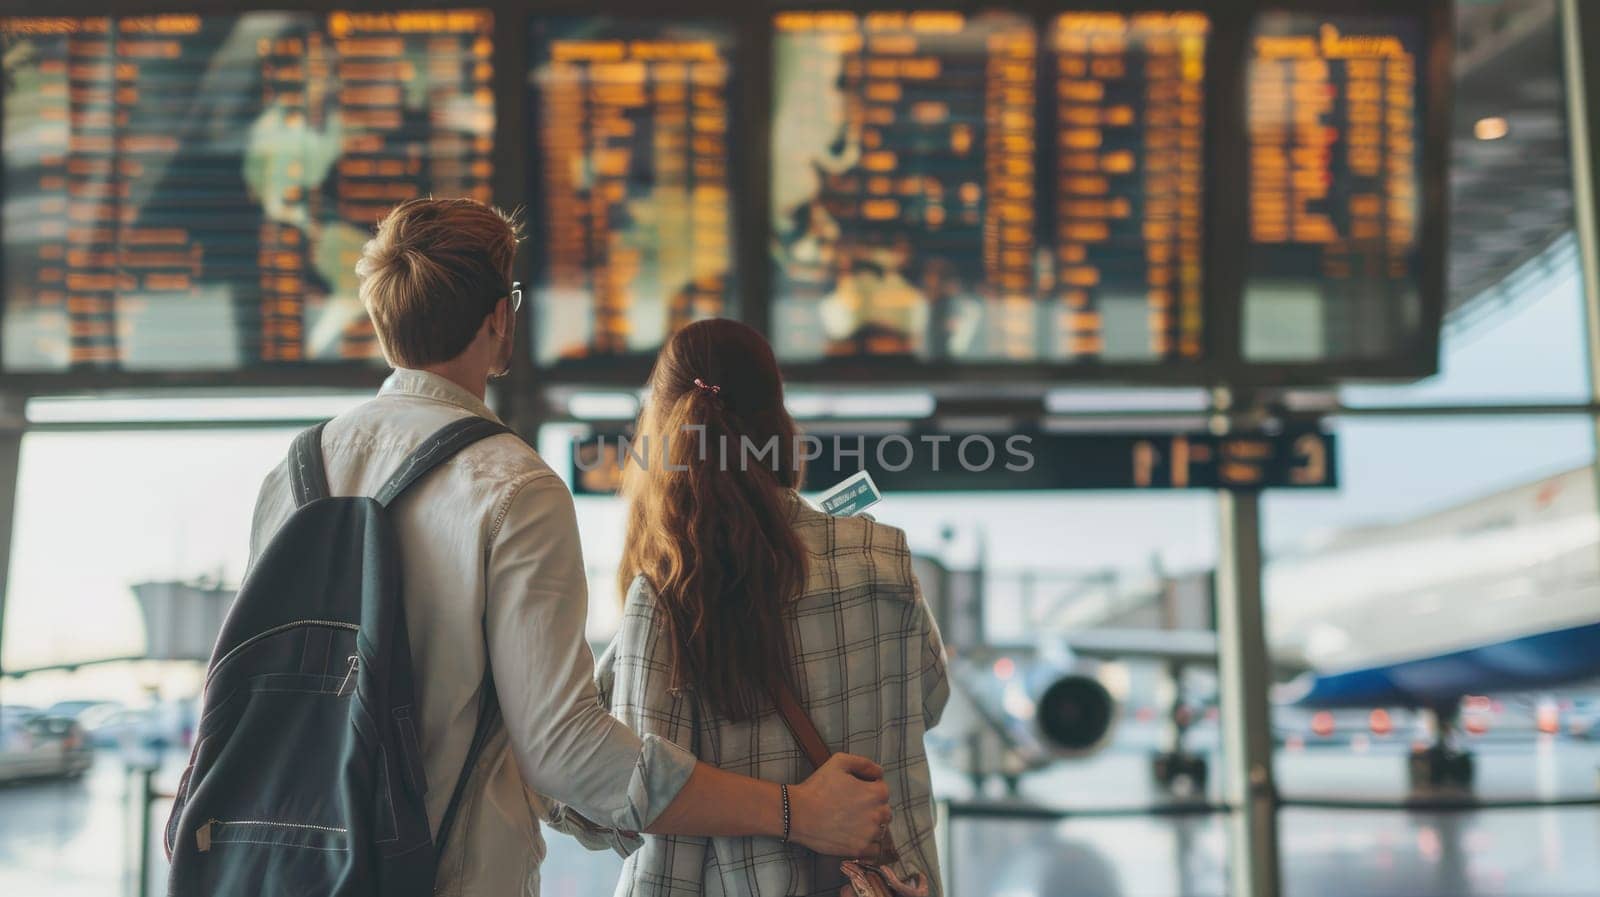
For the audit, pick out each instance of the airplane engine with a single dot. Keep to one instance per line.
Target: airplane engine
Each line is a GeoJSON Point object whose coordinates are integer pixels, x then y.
{"type": "Point", "coordinates": [1075, 714]}
{"type": "Point", "coordinates": [1042, 711]}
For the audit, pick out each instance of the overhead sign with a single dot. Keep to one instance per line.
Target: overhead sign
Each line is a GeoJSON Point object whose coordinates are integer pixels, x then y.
{"type": "Point", "coordinates": [918, 461]}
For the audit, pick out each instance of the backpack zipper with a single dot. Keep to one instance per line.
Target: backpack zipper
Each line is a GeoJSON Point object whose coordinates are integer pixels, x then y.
{"type": "Point", "coordinates": [332, 624]}
{"type": "Point", "coordinates": [354, 661]}
{"type": "Point", "coordinates": [202, 835]}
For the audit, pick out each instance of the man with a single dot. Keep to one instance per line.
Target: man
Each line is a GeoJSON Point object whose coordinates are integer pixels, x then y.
{"type": "Point", "coordinates": [494, 576]}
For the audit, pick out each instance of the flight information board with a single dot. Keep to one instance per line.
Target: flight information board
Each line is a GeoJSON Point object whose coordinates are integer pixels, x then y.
{"type": "Point", "coordinates": [1334, 120]}
{"type": "Point", "coordinates": [910, 217]}
{"type": "Point", "coordinates": [903, 185]}
{"type": "Point", "coordinates": [192, 192]}
{"type": "Point", "coordinates": [633, 128]}
{"type": "Point", "coordinates": [1130, 135]}
{"type": "Point", "coordinates": [963, 193]}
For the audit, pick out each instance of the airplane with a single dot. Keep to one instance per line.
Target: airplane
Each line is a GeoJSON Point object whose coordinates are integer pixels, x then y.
{"type": "Point", "coordinates": [1496, 595]}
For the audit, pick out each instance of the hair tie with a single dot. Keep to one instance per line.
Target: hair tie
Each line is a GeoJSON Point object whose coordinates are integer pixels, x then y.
{"type": "Point", "coordinates": [706, 387]}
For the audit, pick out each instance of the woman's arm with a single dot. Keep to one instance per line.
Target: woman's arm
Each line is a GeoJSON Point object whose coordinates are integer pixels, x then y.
{"type": "Point", "coordinates": [935, 674]}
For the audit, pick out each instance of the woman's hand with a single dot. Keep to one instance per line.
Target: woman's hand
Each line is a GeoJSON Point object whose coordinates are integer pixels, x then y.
{"type": "Point", "coordinates": [842, 809]}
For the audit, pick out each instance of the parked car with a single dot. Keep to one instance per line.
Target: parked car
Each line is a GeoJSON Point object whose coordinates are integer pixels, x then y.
{"type": "Point", "coordinates": [99, 719]}
{"type": "Point", "coordinates": [75, 709]}
{"type": "Point", "coordinates": [1583, 720]}
{"type": "Point", "coordinates": [38, 745]}
{"type": "Point", "coordinates": [111, 724]}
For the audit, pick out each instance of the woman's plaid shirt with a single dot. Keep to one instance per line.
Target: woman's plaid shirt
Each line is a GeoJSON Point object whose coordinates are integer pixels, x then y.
{"type": "Point", "coordinates": [871, 671]}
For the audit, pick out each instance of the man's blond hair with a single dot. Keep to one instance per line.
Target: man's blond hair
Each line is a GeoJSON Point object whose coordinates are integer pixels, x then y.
{"type": "Point", "coordinates": [431, 275]}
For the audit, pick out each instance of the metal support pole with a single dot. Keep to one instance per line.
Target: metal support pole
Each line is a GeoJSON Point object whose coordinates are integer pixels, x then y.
{"type": "Point", "coordinates": [1580, 27]}
{"type": "Point", "coordinates": [1246, 716]}
{"type": "Point", "coordinates": [147, 796]}
{"type": "Point", "coordinates": [13, 423]}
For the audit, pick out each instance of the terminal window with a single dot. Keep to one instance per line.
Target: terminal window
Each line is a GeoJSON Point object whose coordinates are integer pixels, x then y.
{"type": "Point", "coordinates": [192, 192]}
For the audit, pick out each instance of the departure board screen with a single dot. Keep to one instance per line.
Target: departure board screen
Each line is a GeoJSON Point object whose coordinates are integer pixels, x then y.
{"type": "Point", "coordinates": [903, 185]}
{"type": "Point", "coordinates": [909, 215]}
{"type": "Point", "coordinates": [192, 192]}
{"type": "Point", "coordinates": [1130, 109]}
{"type": "Point", "coordinates": [633, 165]}
{"type": "Point", "coordinates": [1334, 129]}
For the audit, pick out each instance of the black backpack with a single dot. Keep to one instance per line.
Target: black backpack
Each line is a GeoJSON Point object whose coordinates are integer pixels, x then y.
{"type": "Point", "coordinates": [306, 776]}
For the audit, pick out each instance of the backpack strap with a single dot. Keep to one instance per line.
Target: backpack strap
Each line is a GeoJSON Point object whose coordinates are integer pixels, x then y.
{"type": "Point", "coordinates": [308, 478]}
{"type": "Point", "coordinates": [488, 718]}
{"type": "Point", "coordinates": [435, 450]}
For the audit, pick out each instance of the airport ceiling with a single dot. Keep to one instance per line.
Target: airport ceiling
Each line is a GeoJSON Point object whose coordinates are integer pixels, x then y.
{"type": "Point", "coordinates": [1510, 198]}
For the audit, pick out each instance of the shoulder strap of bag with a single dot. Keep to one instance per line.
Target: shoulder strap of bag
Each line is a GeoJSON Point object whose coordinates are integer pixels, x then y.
{"type": "Point", "coordinates": [308, 475]}
{"type": "Point", "coordinates": [800, 726]}
{"type": "Point", "coordinates": [488, 718]}
{"type": "Point", "coordinates": [435, 450]}
{"type": "Point", "coordinates": [308, 478]}
{"type": "Point", "coordinates": [816, 750]}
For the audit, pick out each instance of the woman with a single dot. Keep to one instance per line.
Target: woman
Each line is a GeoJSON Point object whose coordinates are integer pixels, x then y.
{"type": "Point", "coordinates": [736, 588]}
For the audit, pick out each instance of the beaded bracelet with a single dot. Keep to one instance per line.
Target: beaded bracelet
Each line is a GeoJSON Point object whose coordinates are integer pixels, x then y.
{"type": "Point", "coordinates": [784, 790]}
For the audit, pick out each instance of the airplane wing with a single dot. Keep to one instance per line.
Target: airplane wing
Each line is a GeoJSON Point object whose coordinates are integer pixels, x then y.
{"type": "Point", "coordinates": [1184, 647]}
{"type": "Point", "coordinates": [1180, 645]}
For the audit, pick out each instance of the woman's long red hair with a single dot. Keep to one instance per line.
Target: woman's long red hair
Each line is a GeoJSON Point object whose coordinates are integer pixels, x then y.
{"type": "Point", "coordinates": [710, 513]}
